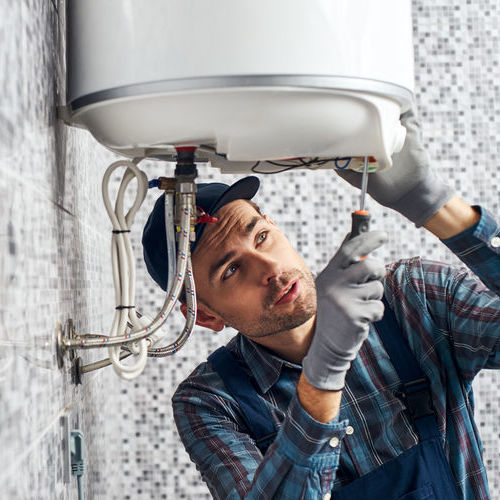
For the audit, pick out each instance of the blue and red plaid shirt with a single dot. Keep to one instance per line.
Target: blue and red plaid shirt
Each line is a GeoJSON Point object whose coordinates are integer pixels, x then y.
{"type": "Point", "coordinates": [452, 323]}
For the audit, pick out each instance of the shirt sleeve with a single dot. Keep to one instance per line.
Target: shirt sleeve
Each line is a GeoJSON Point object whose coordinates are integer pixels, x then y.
{"type": "Point", "coordinates": [474, 309]}
{"type": "Point", "coordinates": [479, 248]}
{"type": "Point", "coordinates": [301, 462]}
{"type": "Point", "coordinates": [464, 307]}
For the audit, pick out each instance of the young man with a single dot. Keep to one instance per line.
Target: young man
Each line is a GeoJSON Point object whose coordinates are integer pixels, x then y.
{"type": "Point", "coordinates": [315, 397]}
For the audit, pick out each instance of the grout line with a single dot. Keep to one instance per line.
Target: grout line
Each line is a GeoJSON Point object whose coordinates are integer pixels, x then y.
{"type": "Point", "coordinates": [44, 196]}
{"type": "Point", "coordinates": [55, 7]}
{"type": "Point", "coordinates": [10, 470]}
{"type": "Point", "coordinates": [61, 207]}
{"type": "Point", "coordinates": [33, 186]}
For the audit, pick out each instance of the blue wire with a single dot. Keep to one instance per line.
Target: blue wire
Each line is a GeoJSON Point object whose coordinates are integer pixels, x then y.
{"type": "Point", "coordinates": [153, 183]}
{"type": "Point", "coordinates": [344, 166]}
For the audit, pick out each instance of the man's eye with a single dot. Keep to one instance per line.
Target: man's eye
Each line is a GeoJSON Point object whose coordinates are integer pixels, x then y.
{"type": "Point", "coordinates": [229, 271]}
{"type": "Point", "coordinates": [261, 237]}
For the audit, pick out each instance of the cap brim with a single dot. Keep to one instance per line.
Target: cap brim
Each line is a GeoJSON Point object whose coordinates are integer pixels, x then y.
{"type": "Point", "coordinates": [244, 189]}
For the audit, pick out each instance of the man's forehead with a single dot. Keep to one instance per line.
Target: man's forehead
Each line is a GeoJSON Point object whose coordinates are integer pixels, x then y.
{"type": "Point", "coordinates": [233, 219]}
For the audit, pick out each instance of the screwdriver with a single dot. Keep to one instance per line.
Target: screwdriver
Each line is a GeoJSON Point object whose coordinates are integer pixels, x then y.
{"type": "Point", "coordinates": [361, 217]}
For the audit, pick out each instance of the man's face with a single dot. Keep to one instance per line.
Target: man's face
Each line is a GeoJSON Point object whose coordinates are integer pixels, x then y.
{"type": "Point", "coordinates": [247, 273]}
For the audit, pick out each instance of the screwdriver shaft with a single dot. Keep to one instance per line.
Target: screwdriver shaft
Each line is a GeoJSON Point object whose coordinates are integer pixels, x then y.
{"type": "Point", "coordinates": [364, 184]}
{"type": "Point", "coordinates": [361, 217]}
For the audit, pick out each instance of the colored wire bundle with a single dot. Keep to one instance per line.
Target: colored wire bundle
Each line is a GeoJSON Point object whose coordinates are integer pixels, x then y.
{"type": "Point", "coordinates": [310, 164]}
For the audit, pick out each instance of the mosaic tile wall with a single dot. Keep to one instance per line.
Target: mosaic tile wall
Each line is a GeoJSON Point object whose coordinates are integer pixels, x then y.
{"type": "Point", "coordinates": [54, 264]}
{"type": "Point", "coordinates": [54, 257]}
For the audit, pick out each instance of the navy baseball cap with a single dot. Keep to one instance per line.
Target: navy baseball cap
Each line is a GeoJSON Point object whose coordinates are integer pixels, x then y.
{"type": "Point", "coordinates": [210, 197]}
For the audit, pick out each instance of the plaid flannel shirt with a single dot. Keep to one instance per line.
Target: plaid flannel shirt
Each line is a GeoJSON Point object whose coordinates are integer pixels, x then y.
{"type": "Point", "coordinates": [452, 323]}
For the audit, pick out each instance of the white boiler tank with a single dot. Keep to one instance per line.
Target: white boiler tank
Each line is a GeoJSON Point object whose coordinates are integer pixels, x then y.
{"type": "Point", "coordinates": [251, 79]}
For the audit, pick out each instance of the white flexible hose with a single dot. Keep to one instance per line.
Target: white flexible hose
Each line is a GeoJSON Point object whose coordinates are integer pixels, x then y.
{"type": "Point", "coordinates": [123, 267]}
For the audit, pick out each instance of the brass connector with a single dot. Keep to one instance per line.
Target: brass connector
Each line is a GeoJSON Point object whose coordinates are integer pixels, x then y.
{"type": "Point", "coordinates": [167, 183]}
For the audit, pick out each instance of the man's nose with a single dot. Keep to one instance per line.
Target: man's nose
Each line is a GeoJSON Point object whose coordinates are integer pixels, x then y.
{"type": "Point", "coordinates": [267, 268]}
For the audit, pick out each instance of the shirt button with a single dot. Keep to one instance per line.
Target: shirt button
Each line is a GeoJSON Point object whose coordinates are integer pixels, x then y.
{"type": "Point", "coordinates": [327, 496]}
{"type": "Point", "coordinates": [349, 430]}
{"type": "Point", "coordinates": [334, 442]}
{"type": "Point", "coordinates": [495, 242]}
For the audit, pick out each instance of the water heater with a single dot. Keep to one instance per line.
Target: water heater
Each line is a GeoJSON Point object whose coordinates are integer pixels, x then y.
{"type": "Point", "coordinates": [248, 80]}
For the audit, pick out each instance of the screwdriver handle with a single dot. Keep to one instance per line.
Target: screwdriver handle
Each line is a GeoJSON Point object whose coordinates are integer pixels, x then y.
{"type": "Point", "coordinates": [360, 222]}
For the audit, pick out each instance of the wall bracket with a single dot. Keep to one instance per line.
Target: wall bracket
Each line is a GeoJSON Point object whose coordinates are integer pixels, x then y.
{"type": "Point", "coordinates": [62, 333]}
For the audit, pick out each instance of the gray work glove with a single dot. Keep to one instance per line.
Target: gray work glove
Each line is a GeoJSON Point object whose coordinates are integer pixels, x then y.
{"type": "Point", "coordinates": [348, 294]}
{"type": "Point", "coordinates": [410, 187]}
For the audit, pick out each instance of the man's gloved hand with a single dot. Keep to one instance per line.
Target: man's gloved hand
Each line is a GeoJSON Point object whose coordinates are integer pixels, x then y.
{"type": "Point", "coordinates": [349, 292]}
{"type": "Point", "coordinates": [410, 187]}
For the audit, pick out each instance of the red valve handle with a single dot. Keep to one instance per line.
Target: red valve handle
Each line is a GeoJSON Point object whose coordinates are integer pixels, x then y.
{"type": "Point", "coordinates": [205, 218]}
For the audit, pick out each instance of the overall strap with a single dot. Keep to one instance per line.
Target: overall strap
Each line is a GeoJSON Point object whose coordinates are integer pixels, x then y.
{"type": "Point", "coordinates": [256, 415]}
{"type": "Point", "coordinates": [416, 388]}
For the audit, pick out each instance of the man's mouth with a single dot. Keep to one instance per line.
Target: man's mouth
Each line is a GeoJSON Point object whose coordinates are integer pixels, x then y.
{"type": "Point", "coordinates": [290, 293]}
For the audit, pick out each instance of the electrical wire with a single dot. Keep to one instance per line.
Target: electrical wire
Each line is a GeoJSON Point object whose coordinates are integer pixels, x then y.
{"type": "Point", "coordinates": [311, 164]}
{"type": "Point", "coordinates": [343, 167]}
{"type": "Point", "coordinates": [285, 169]}
{"type": "Point", "coordinates": [286, 165]}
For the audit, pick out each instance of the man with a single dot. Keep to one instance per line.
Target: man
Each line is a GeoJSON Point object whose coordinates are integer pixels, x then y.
{"type": "Point", "coordinates": [315, 397]}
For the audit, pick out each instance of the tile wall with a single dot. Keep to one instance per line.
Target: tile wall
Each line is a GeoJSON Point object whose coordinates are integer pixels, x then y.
{"type": "Point", "coordinates": [54, 254]}
{"type": "Point", "coordinates": [54, 264]}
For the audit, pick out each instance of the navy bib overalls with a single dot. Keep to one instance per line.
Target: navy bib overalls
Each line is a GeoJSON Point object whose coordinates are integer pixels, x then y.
{"type": "Point", "coordinates": [421, 472]}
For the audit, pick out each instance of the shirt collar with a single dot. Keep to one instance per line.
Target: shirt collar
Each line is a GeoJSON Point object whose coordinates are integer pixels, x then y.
{"type": "Point", "coordinates": [263, 364]}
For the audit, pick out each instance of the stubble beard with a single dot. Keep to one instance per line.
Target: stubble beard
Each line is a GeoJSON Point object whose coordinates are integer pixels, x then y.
{"type": "Point", "coordinates": [273, 321]}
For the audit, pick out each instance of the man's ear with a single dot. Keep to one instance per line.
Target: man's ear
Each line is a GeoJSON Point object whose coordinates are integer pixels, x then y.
{"type": "Point", "coordinates": [205, 318]}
